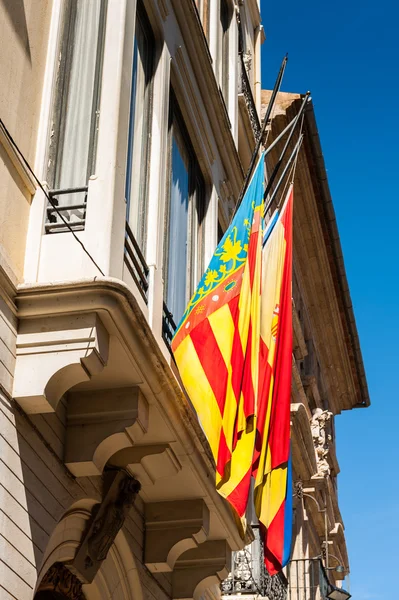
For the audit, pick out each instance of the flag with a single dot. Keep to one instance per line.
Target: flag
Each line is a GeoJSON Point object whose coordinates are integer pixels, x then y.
{"type": "Point", "coordinates": [272, 461]}
{"type": "Point", "coordinates": [215, 347]}
{"type": "Point", "coordinates": [230, 348]}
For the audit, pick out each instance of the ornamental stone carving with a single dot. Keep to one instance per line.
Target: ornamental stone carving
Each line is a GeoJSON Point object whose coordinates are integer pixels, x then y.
{"type": "Point", "coordinates": [318, 424]}
{"type": "Point", "coordinates": [247, 58]}
{"type": "Point", "coordinates": [60, 579]}
{"type": "Point", "coordinates": [107, 519]}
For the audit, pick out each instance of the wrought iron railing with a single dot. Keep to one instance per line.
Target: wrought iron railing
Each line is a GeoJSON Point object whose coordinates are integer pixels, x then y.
{"type": "Point", "coordinates": [307, 580]}
{"type": "Point", "coordinates": [249, 575]}
{"type": "Point", "coordinates": [168, 326]}
{"type": "Point", "coordinates": [135, 263]}
{"type": "Point", "coordinates": [74, 213]}
{"type": "Point", "coordinates": [302, 579]}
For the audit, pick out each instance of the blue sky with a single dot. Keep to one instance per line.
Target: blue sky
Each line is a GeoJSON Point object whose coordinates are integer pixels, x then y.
{"type": "Point", "coordinates": [347, 54]}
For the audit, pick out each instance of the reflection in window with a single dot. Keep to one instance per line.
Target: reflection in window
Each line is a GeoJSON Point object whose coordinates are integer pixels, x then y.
{"type": "Point", "coordinates": [178, 228]}
{"type": "Point", "coordinates": [183, 256]}
{"type": "Point", "coordinates": [72, 149]}
{"type": "Point", "coordinates": [139, 127]}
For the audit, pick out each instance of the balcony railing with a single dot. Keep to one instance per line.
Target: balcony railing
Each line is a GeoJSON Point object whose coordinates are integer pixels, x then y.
{"type": "Point", "coordinates": [74, 212]}
{"type": "Point", "coordinates": [307, 580]}
{"type": "Point", "coordinates": [168, 326]}
{"type": "Point", "coordinates": [301, 579]}
{"type": "Point", "coordinates": [135, 263]}
{"type": "Point", "coordinates": [249, 575]}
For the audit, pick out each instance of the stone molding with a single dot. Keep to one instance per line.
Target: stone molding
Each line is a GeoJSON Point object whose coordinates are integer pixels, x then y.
{"type": "Point", "coordinates": [24, 174]}
{"type": "Point", "coordinates": [172, 528]}
{"type": "Point", "coordinates": [55, 354]}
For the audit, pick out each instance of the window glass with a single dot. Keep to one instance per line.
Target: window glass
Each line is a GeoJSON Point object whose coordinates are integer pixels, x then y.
{"type": "Point", "coordinates": [178, 228]}
{"type": "Point", "coordinates": [183, 263]}
{"type": "Point", "coordinates": [139, 126]}
{"type": "Point", "coordinates": [75, 112]}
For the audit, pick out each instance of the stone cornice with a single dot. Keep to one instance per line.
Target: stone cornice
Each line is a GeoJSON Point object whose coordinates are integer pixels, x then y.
{"type": "Point", "coordinates": [330, 230]}
{"type": "Point", "coordinates": [118, 309]}
{"type": "Point", "coordinates": [8, 283]}
{"type": "Point", "coordinates": [319, 264]}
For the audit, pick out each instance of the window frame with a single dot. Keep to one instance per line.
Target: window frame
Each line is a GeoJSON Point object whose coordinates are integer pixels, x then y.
{"type": "Point", "coordinates": [143, 19]}
{"type": "Point", "coordinates": [58, 111]}
{"type": "Point", "coordinates": [226, 13]}
{"type": "Point", "coordinates": [196, 207]}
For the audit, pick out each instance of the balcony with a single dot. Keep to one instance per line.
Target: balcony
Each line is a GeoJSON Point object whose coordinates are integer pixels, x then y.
{"type": "Point", "coordinates": [302, 579]}
{"type": "Point", "coordinates": [307, 580]}
{"type": "Point", "coordinates": [249, 576]}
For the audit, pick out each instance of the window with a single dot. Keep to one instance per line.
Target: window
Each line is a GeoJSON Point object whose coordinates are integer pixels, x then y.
{"type": "Point", "coordinates": [72, 148]}
{"type": "Point", "coordinates": [226, 14]}
{"type": "Point", "coordinates": [183, 263]}
{"type": "Point", "coordinates": [139, 127]}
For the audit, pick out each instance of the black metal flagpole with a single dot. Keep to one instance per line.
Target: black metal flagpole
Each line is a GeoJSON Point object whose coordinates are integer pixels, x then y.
{"type": "Point", "coordinates": [283, 174]}
{"type": "Point", "coordinates": [284, 150]}
{"type": "Point", "coordinates": [265, 122]}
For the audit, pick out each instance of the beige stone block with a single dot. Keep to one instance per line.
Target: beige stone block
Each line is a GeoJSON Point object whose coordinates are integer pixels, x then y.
{"type": "Point", "coordinates": [17, 562]}
{"type": "Point", "coordinates": [12, 484]}
{"type": "Point", "coordinates": [20, 540]}
{"type": "Point", "coordinates": [12, 582]}
{"type": "Point", "coordinates": [17, 513]}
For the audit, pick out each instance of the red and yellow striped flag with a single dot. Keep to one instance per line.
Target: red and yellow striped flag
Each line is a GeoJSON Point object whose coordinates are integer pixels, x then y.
{"type": "Point", "coordinates": [227, 350]}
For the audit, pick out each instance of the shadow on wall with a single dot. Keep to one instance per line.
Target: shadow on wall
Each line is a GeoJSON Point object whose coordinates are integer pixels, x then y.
{"type": "Point", "coordinates": [15, 10]}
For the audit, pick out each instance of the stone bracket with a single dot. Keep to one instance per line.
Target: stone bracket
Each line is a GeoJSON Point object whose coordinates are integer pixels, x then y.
{"type": "Point", "coordinates": [172, 528]}
{"type": "Point", "coordinates": [198, 569]}
{"type": "Point", "coordinates": [99, 424]}
{"type": "Point", "coordinates": [148, 463]}
{"type": "Point", "coordinates": [53, 355]}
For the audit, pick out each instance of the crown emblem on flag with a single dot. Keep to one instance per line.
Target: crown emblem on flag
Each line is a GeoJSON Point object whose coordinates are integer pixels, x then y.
{"type": "Point", "coordinates": [275, 322]}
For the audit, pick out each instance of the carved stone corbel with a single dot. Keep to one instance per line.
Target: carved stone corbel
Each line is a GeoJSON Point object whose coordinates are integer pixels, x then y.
{"type": "Point", "coordinates": [198, 569]}
{"type": "Point", "coordinates": [172, 528]}
{"type": "Point", "coordinates": [53, 355]}
{"type": "Point", "coordinates": [107, 519]}
{"type": "Point", "coordinates": [148, 463]}
{"type": "Point", "coordinates": [99, 424]}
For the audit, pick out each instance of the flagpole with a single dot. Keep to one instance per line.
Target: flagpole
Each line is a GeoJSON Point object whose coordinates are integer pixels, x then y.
{"type": "Point", "coordinates": [293, 155]}
{"type": "Point", "coordinates": [269, 109]}
{"type": "Point", "coordinates": [280, 135]}
{"type": "Point", "coordinates": [284, 150]}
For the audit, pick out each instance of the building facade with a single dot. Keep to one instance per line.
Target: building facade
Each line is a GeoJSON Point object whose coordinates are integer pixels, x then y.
{"type": "Point", "coordinates": [126, 130]}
